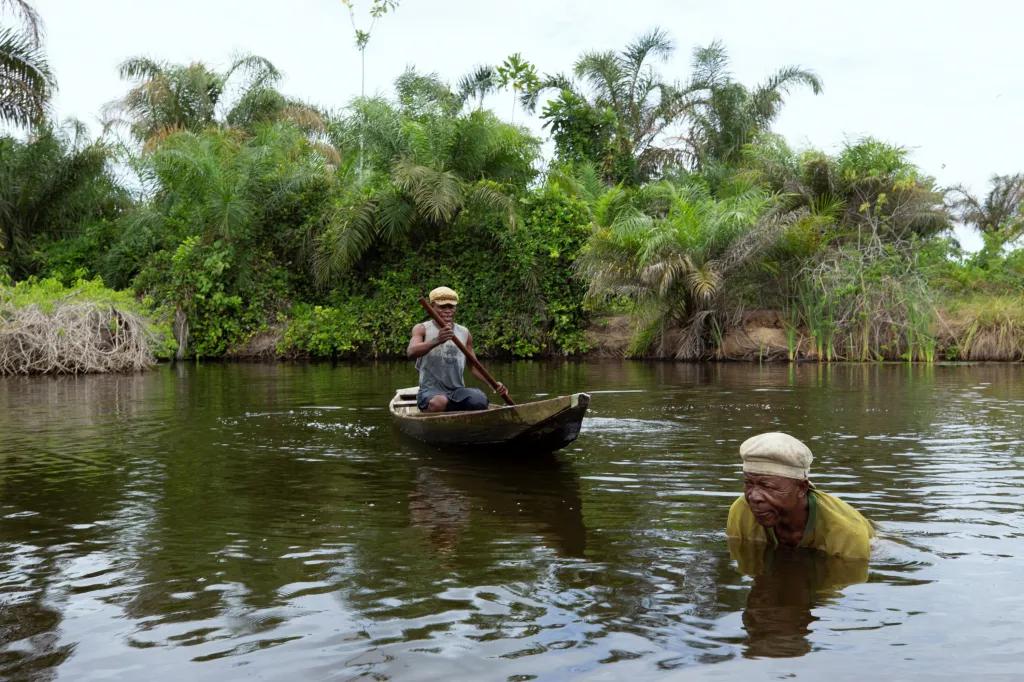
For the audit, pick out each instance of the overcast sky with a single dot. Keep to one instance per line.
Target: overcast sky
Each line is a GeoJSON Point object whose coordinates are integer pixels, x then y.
{"type": "Point", "coordinates": [943, 78]}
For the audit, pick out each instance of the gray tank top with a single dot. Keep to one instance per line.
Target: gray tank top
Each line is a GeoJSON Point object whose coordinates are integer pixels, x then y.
{"type": "Point", "coordinates": [441, 369]}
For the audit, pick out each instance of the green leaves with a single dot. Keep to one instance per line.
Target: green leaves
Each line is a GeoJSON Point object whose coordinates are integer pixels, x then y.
{"type": "Point", "coordinates": [168, 98]}
{"type": "Point", "coordinates": [52, 187]}
{"type": "Point", "coordinates": [725, 116]}
{"type": "Point", "coordinates": [674, 251]}
{"type": "Point", "coordinates": [26, 82]}
{"type": "Point", "coordinates": [1000, 213]}
{"type": "Point", "coordinates": [378, 8]}
{"type": "Point", "coordinates": [427, 163]}
{"type": "Point", "coordinates": [519, 75]}
{"type": "Point", "coordinates": [325, 331]}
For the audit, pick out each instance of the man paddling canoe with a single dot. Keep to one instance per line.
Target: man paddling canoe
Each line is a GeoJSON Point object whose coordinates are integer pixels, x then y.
{"type": "Point", "coordinates": [441, 364]}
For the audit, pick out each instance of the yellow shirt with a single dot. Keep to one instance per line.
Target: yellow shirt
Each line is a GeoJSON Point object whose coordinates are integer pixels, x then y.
{"type": "Point", "coordinates": [833, 527]}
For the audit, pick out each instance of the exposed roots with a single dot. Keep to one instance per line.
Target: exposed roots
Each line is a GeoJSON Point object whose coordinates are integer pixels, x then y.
{"type": "Point", "coordinates": [73, 338]}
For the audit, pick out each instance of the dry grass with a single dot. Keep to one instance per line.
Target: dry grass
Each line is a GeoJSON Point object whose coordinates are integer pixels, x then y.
{"type": "Point", "coordinates": [73, 337]}
{"type": "Point", "coordinates": [263, 345]}
{"type": "Point", "coordinates": [984, 328]}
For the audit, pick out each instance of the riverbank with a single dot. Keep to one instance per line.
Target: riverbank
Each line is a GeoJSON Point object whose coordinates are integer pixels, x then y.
{"type": "Point", "coordinates": [47, 327]}
{"type": "Point", "coordinates": [979, 329]}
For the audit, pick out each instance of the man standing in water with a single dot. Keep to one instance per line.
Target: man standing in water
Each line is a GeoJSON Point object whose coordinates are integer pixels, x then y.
{"type": "Point", "coordinates": [441, 363]}
{"type": "Point", "coordinates": [780, 507]}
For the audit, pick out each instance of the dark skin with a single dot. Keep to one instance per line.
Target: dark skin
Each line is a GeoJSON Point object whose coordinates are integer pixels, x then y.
{"type": "Point", "coordinates": [419, 346]}
{"type": "Point", "coordinates": [779, 503]}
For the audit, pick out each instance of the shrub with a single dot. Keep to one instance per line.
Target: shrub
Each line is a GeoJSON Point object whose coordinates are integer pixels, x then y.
{"type": "Point", "coordinates": [46, 327]}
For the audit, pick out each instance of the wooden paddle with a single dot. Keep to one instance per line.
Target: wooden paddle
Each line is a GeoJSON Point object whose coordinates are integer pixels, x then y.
{"type": "Point", "coordinates": [465, 351]}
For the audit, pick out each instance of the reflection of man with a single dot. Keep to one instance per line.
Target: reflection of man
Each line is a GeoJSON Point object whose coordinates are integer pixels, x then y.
{"type": "Point", "coordinates": [438, 509]}
{"type": "Point", "coordinates": [788, 584]}
{"type": "Point", "coordinates": [779, 506]}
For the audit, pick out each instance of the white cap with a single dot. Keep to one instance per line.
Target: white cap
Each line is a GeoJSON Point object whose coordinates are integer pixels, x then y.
{"type": "Point", "coordinates": [776, 454]}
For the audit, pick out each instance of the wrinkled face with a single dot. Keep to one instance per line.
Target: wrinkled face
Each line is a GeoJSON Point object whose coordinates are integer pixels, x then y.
{"type": "Point", "coordinates": [772, 497]}
{"type": "Point", "coordinates": [446, 312]}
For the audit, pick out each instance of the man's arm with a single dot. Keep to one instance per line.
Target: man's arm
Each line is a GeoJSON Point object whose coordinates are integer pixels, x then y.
{"type": "Point", "coordinates": [419, 346]}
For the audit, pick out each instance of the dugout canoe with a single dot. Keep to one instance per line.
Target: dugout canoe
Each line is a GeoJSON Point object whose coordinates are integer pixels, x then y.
{"type": "Point", "coordinates": [545, 425]}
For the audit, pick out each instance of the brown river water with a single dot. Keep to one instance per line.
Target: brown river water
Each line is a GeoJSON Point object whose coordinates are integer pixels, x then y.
{"type": "Point", "coordinates": [267, 522]}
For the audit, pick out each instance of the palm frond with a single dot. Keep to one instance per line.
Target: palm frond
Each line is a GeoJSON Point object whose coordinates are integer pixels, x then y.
{"type": "Point", "coordinates": [490, 196]}
{"type": "Point", "coordinates": [655, 43]}
{"type": "Point", "coordinates": [26, 82]}
{"type": "Point", "coordinates": [478, 83]}
{"type": "Point", "coordinates": [260, 72]}
{"type": "Point", "coordinates": [29, 17]}
{"type": "Point", "coordinates": [345, 234]}
{"type": "Point", "coordinates": [141, 69]}
{"type": "Point", "coordinates": [710, 66]}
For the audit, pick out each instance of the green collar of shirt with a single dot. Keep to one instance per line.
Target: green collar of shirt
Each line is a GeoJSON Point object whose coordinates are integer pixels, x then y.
{"type": "Point", "coordinates": [812, 513]}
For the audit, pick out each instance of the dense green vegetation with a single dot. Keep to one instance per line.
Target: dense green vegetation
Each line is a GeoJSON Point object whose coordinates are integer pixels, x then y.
{"type": "Point", "coordinates": [262, 226]}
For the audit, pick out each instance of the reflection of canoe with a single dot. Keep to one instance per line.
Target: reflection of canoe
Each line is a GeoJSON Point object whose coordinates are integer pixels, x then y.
{"type": "Point", "coordinates": [523, 499]}
{"type": "Point", "coordinates": [544, 425]}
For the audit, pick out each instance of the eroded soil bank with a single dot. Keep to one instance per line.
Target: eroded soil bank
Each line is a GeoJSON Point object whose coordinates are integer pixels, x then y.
{"type": "Point", "coordinates": [765, 335]}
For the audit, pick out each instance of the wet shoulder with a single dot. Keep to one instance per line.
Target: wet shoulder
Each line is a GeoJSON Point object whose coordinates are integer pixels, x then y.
{"type": "Point", "coordinates": [833, 506]}
{"type": "Point", "coordinates": [843, 531]}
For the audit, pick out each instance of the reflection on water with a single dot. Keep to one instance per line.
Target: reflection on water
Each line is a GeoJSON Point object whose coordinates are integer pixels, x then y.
{"type": "Point", "coordinates": [228, 521]}
{"type": "Point", "coordinates": [788, 583]}
{"type": "Point", "coordinates": [536, 493]}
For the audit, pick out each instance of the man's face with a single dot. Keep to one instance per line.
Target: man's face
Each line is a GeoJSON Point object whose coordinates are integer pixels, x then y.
{"type": "Point", "coordinates": [446, 312]}
{"type": "Point", "coordinates": [772, 497]}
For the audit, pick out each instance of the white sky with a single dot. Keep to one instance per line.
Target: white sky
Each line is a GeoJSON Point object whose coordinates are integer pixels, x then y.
{"type": "Point", "coordinates": [943, 78]}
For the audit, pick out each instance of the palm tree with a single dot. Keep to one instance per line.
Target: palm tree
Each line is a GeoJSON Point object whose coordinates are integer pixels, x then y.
{"type": "Point", "coordinates": [725, 115]}
{"type": "Point", "coordinates": [169, 98]}
{"type": "Point", "coordinates": [854, 281]}
{"type": "Point", "coordinates": [673, 250]}
{"type": "Point", "coordinates": [51, 187]}
{"type": "Point", "coordinates": [643, 103]}
{"type": "Point", "coordinates": [26, 82]}
{"type": "Point", "coordinates": [220, 184]}
{"type": "Point", "coordinates": [477, 84]}
{"type": "Point", "coordinates": [1000, 213]}
{"type": "Point", "coordinates": [624, 90]}
{"type": "Point", "coordinates": [877, 194]}
{"type": "Point", "coordinates": [427, 164]}
{"type": "Point", "coordinates": [518, 75]}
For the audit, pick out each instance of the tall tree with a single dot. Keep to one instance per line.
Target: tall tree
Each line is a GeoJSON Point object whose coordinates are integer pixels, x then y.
{"type": "Point", "coordinates": [168, 98]}
{"type": "Point", "coordinates": [426, 163]}
{"type": "Point", "coordinates": [26, 82]}
{"type": "Point", "coordinates": [999, 213]}
{"type": "Point", "coordinates": [52, 187]}
{"type": "Point", "coordinates": [582, 133]}
{"type": "Point", "coordinates": [519, 76]}
{"type": "Point", "coordinates": [378, 8]}
{"type": "Point", "coordinates": [726, 115]}
{"type": "Point", "coordinates": [644, 104]}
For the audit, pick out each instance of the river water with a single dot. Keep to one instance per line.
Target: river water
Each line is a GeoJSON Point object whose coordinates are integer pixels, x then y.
{"type": "Point", "coordinates": [223, 522]}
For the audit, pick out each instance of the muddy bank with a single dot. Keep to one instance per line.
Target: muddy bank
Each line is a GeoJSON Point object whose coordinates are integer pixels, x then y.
{"type": "Point", "coordinates": [765, 335]}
